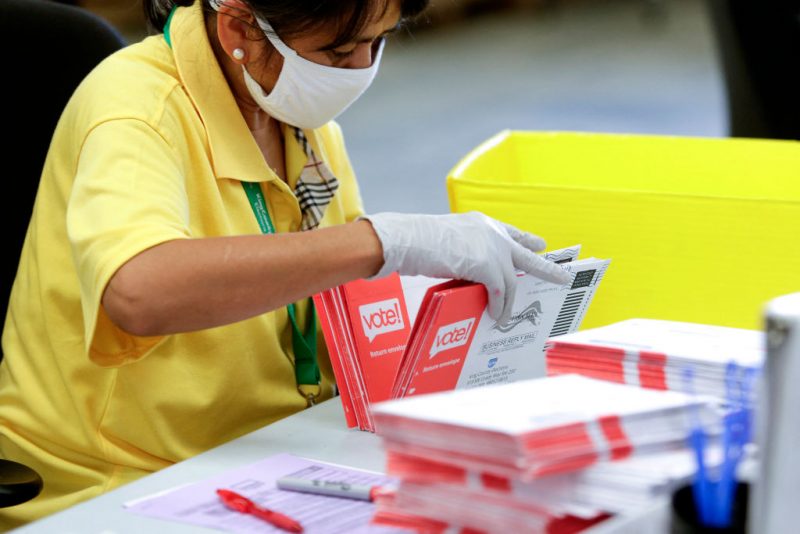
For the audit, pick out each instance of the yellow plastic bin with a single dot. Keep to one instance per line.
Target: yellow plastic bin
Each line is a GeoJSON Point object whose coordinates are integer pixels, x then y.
{"type": "Point", "coordinates": [701, 230]}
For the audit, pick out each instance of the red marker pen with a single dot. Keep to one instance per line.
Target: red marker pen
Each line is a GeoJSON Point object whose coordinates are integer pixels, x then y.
{"type": "Point", "coordinates": [242, 504]}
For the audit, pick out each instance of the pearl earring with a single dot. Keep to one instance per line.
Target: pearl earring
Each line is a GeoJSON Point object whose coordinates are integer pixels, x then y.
{"type": "Point", "coordinates": [238, 53]}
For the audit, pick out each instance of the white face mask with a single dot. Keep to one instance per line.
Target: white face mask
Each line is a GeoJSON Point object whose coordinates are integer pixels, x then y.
{"type": "Point", "coordinates": [307, 94]}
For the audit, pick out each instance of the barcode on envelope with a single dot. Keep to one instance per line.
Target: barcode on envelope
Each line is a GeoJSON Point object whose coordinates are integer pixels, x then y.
{"type": "Point", "coordinates": [567, 313]}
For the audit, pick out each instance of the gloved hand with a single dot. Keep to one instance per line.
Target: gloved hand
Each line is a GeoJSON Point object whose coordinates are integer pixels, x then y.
{"type": "Point", "coordinates": [470, 246]}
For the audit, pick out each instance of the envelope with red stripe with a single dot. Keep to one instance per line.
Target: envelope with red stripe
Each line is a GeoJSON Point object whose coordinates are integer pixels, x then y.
{"type": "Point", "coordinates": [655, 354]}
{"type": "Point", "coordinates": [402, 336]}
{"type": "Point", "coordinates": [536, 428]}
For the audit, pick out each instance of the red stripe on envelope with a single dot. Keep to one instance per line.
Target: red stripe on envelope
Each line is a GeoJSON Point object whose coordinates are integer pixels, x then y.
{"type": "Point", "coordinates": [419, 470]}
{"type": "Point", "coordinates": [495, 482]}
{"type": "Point", "coordinates": [619, 444]}
{"type": "Point", "coordinates": [651, 370]}
{"type": "Point", "coordinates": [612, 359]}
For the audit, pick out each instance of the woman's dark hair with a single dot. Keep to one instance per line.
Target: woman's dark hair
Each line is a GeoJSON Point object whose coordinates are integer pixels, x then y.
{"type": "Point", "coordinates": [295, 17]}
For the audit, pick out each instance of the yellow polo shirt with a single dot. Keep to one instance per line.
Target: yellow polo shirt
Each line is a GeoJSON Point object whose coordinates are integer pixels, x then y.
{"type": "Point", "coordinates": [152, 147]}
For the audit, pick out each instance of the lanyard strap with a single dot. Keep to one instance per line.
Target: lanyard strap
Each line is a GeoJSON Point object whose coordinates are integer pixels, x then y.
{"type": "Point", "coordinates": [304, 345]}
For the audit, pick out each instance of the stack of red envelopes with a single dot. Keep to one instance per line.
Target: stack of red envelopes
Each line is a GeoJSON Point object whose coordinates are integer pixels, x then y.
{"type": "Point", "coordinates": [404, 336]}
{"type": "Point", "coordinates": [533, 455]}
{"type": "Point", "coordinates": [657, 354]}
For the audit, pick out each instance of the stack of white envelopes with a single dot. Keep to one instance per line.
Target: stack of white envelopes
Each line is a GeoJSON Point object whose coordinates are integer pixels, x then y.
{"type": "Point", "coordinates": [550, 454]}
{"type": "Point", "coordinates": [665, 355]}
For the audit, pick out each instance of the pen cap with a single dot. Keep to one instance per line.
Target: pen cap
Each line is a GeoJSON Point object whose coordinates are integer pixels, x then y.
{"type": "Point", "coordinates": [776, 491]}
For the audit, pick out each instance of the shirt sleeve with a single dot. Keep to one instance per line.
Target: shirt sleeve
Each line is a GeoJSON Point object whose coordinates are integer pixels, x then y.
{"type": "Point", "coordinates": [129, 195]}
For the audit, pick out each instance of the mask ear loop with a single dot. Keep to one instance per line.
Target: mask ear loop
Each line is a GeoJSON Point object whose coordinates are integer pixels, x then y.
{"type": "Point", "coordinates": [290, 53]}
{"type": "Point", "coordinates": [272, 36]}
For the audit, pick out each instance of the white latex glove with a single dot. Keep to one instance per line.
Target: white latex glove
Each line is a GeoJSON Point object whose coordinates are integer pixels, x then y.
{"type": "Point", "coordinates": [469, 246]}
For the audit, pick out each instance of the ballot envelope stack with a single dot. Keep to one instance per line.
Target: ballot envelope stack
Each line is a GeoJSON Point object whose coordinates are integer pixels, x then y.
{"type": "Point", "coordinates": [664, 355]}
{"type": "Point", "coordinates": [554, 454]}
{"type": "Point", "coordinates": [401, 336]}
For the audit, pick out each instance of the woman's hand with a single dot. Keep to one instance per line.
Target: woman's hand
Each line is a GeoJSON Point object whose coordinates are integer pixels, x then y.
{"type": "Point", "coordinates": [467, 246]}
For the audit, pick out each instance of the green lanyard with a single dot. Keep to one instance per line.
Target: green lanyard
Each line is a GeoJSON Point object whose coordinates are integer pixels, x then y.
{"type": "Point", "coordinates": [306, 369]}
{"type": "Point", "coordinates": [304, 345]}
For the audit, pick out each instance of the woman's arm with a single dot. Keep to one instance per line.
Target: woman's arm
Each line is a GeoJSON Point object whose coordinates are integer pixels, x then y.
{"type": "Point", "coordinates": [193, 284]}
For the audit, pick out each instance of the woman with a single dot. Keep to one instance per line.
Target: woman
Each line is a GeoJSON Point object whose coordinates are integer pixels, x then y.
{"type": "Point", "coordinates": [152, 317]}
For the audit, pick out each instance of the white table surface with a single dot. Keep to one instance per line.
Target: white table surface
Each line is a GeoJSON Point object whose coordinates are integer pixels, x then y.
{"type": "Point", "coordinates": [319, 433]}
